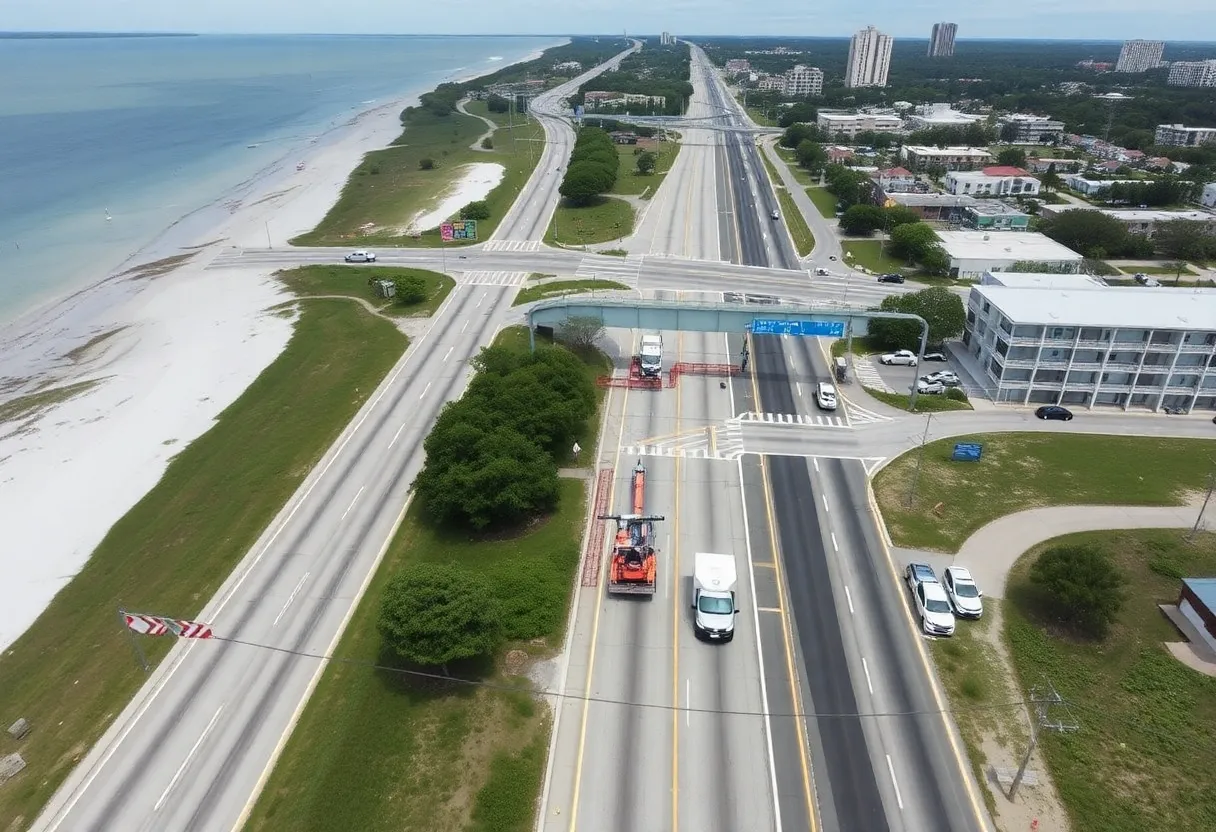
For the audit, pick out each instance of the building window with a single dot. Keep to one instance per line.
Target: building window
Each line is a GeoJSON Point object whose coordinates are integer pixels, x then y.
{"type": "Point", "coordinates": [987, 307]}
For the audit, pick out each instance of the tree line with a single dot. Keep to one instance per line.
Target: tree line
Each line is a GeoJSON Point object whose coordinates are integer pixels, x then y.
{"type": "Point", "coordinates": [655, 71]}
{"type": "Point", "coordinates": [1098, 236]}
{"type": "Point", "coordinates": [593, 167]}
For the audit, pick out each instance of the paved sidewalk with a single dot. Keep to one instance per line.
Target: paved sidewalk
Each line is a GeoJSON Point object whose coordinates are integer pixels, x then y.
{"type": "Point", "coordinates": [993, 550]}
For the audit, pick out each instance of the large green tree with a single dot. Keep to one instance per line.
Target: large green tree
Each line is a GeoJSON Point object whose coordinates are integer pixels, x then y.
{"type": "Point", "coordinates": [1090, 232]}
{"type": "Point", "coordinates": [1184, 240]}
{"type": "Point", "coordinates": [1012, 156]}
{"type": "Point", "coordinates": [942, 309]}
{"type": "Point", "coordinates": [1084, 584]}
{"type": "Point", "coordinates": [912, 240]}
{"type": "Point", "coordinates": [795, 134]}
{"type": "Point", "coordinates": [898, 215]}
{"type": "Point", "coordinates": [434, 614]}
{"type": "Point", "coordinates": [862, 220]}
{"type": "Point", "coordinates": [811, 155]}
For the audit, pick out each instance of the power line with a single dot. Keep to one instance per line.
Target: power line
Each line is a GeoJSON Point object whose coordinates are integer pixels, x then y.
{"type": "Point", "coordinates": [577, 697]}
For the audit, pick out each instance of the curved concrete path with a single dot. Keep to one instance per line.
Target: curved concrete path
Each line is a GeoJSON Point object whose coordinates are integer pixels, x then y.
{"type": "Point", "coordinates": [489, 123]}
{"type": "Point", "coordinates": [992, 551]}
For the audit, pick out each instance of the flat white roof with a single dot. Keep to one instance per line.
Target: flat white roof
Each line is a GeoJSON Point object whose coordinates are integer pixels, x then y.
{"type": "Point", "coordinates": [1123, 307]}
{"type": "Point", "coordinates": [1149, 215]}
{"type": "Point", "coordinates": [1038, 280]}
{"type": "Point", "coordinates": [945, 151]}
{"type": "Point", "coordinates": [1025, 245]}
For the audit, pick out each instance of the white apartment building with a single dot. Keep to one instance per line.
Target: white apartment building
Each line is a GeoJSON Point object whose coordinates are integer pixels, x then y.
{"type": "Point", "coordinates": [918, 158]}
{"type": "Point", "coordinates": [992, 181]}
{"type": "Point", "coordinates": [1093, 345]}
{"type": "Point", "coordinates": [1028, 129]}
{"type": "Point", "coordinates": [869, 59]}
{"type": "Point", "coordinates": [736, 66]}
{"type": "Point", "coordinates": [850, 124]}
{"type": "Point", "coordinates": [804, 80]}
{"type": "Point", "coordinates": [775, 83]}
{"type": "Point", "coordinates": [667, 39]}
{"type": "Point", "coordinates": [1140, 55]}
{"type": "Point", "coordinates": [940, 115]}
{"type": "Point", "coordinates": [1192, 74]}
{"type": "Point", "coordinates": [1176, 135]}
{"type": "Point", "coordinates": [941, 41]}
{"type": "Point", "coordinates": [1093, 187]}
{"type": "Point", "coordinates": [972, 253]}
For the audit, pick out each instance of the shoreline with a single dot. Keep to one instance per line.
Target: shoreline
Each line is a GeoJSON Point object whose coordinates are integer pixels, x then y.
{"type": "Point", "coordinates": [163, 352]}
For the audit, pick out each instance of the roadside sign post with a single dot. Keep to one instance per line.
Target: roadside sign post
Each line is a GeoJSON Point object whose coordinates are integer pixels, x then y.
{"type": "Point", "coordinates": [826, 329]}
{"type": "Point", "coordinates": [967, 452]}
{"type": "Point", "coordinates": [455, 230]}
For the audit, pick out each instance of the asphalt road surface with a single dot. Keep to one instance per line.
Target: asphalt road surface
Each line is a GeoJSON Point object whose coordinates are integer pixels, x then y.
{"type": "Point", "coordinates": [191, 750]}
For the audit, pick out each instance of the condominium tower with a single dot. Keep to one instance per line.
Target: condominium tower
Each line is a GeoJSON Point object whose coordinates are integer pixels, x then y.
{"type": "Point", "coordinates": [869, 59]}
{"type": "Point", "coordinates": [1140, 55]}
{"type": "Point", "coordinates": [941, 42]}
{"type": "Point", "coordinates": [1192, 74]}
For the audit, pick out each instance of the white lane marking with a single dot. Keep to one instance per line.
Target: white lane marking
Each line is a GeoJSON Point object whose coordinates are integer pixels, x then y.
{"type": "Point", "coordinates": [791, 361]}
{"type": "Point", "coordinates": [482, 298]}
{"type": "Point", "coordinates": [866, 667]}
{"type": "Point", "coordinates": [359, 494]}
{"type": "Point", "coordinates": [448, 354]}
{"type": "Point", "coordinates": [891, 768]}
{"type": "Point", "coordinates": [815, 462]}
{"type": "Point", "coordinates": [848, 596]}
{"type": "Point", "coordinates": [386, 385]}
{"type": "Point", "coordinates": [826, 507]}
{"type": "Point", "coordinates": [667, 579]}
{"type": "Point", "coordinates": [798, 384]}
{"type": "Point", "coordinates": [466, 326]}
{"type": "Point", "coordinates": [291, 598]}
{"type": "Point", "coordinates": [397, 434]}
{"type": "Point", "coordinates": [687, 700]}
{"type": "Point", "coordinates": [834, 544]}
{"type": "Point", "coordinates": [181, 769]}
{"type": "Point", "coordinates": [768, 729]}
{"type": "Point", "coordinates": [424, 389]}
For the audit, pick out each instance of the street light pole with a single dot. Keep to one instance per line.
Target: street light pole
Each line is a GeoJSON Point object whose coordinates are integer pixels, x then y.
{"type": "Point", "coordinates": [920, 458]}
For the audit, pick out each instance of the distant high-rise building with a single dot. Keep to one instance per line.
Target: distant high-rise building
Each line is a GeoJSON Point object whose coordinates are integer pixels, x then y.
{"type": "Point", "coordinates": [1140, 55]}
{"type": "Point", "coordinates": [803, 80]}
{"type": "Point", "coordinates": [941, 42]}
{"type": "Point", "coordinates": [1192, 74]}
{"type": "Point", "coordinates": [667, 39]}
{"type": "Point", "coordinates": [869, 59]}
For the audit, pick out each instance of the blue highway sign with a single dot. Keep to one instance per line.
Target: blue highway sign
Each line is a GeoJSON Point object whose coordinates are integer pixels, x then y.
{"type": "Point", "coordinates": [767, 326]}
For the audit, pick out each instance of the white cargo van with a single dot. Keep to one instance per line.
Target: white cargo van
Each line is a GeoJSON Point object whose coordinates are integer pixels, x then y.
{"type": "Point", "coordinates": [652, 355]}
{"type": "Point", "coordinates": [713, 596]}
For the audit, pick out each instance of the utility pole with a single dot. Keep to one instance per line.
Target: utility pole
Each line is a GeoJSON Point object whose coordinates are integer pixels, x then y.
{"type": "Point", "coordinates": [920, 458]}
{"type": "Point", "coordinates": [1041, 700]}
{"type": "Point", "coordinates": [1203, 509]}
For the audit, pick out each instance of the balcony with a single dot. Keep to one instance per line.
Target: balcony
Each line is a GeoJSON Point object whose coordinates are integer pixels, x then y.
{"type": "Point", "coordinates": [1059, 363]}
{"type": "Point", "coordinates": [1047, 385]}
{"type": "Point", "coordinates": [1106, 387]}
{"type": "Point", "coordinates": [1087, 365]}
{"type": "Point", "coordinates": [1148, 389]}
{"type": "Point", "coordinates": [1182, 389]}
{"type": "Point", "coordinates": [1024, 340]}
{"type": "Point", "coordinates": [1198, 348]}
{"type": "Point", "coordinates": [1021, 363]}
{"type": "Point", "coordinates": [1124, 366]}
{"type": "Point", "coordinates": [1162, 346]}
{"type": "Point", "coordinates": [1093, 345]}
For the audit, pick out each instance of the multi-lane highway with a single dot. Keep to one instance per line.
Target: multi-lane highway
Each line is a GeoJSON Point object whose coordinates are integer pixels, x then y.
{"type": "Point", "coordinates": [192, 749]}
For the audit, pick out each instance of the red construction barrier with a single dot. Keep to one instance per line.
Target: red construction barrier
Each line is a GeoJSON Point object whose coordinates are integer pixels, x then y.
{"type": "Point", "coordinates": [692, 369]}
{"type": "Point", "coordinates": [595, 541]}
{"type": "Point", "coordinates": [636, 381]}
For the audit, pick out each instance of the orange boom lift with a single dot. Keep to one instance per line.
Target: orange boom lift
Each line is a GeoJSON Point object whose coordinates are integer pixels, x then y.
{"type": "Point", "coordinates": [633, 567]}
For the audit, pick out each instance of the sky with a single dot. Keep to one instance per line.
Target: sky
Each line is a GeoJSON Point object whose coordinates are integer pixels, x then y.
{"type": "Point", "coordinates": [1179, 20]}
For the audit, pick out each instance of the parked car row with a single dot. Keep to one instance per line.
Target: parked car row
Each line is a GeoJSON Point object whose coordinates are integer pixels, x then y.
{"type": "Point", "coordinates": [908, 358]}
{"type": "Point", "coordinates": [939, 603]}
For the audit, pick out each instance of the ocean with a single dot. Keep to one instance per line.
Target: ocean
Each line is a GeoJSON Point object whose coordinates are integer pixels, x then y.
{"type": "Point", "coordinates": [105, 143]}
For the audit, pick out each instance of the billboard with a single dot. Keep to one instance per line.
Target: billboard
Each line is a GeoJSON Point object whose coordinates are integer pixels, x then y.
{"type": "Point", "coordinates": [458, 230]}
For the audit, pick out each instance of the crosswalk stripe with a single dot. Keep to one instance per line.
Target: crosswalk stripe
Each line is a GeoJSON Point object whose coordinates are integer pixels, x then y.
{"type": "Point", "coordinates": [511, 245]}
{"type": "Point", "coordinates": [792, 419]}
{"type": "Point", "coordinates": [477, 278]}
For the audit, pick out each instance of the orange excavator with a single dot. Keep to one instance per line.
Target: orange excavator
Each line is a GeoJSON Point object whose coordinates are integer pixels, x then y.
{"type": "Point", "coordinates": [633, 567]}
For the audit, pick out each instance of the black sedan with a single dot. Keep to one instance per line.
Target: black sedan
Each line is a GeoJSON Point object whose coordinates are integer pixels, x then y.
{"type": "Point", "coordinates": [890, 278]}
{"type": "Point", "coordinates": [1054, 411]}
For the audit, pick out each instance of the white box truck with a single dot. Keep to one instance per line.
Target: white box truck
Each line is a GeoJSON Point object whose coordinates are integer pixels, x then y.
{"type": "Point", "coordinates": [713, 596]}
{"type": "Point", "coordinates": [651, 355]}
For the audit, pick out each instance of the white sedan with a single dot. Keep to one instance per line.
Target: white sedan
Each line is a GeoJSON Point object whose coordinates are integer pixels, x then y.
{"type": "Point", "coordinates": [361, 257]}
{"type": "Point", "coordinates": [932, 605]}
{"type": "Point", "coordinates": [946, 377]}
{"type": "Point", "coordinates": [964, 595]}
{"type": "Point", "coordinates": [930, 388]}
{"type": "Point", "coordinates": [906, 357]}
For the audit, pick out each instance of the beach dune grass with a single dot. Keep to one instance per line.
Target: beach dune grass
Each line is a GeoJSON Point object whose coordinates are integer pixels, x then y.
{"type": "Point", "coordinates": [1027, 470]}
{"type": "Point", "coordinates": [389, 187]}
{"type": "Point", "coordinates": [73, 671]}
{"type": "Point", "coordinates": [604, 220]}
{"type": "Point", "coordinates": [354, 282]}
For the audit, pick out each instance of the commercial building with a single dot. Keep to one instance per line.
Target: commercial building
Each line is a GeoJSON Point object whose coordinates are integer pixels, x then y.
{"type": "Point", "coordinates": [869, 59]}
{"type": "Point", "coordinates": [990, 215]}
{"type": "Point", "coordinates": [736, 66]}
{"type": "Point", "coordinates": [1192, 74]}
{"type": "Point", "coordinates": [1141, 221]}
{"type": "Point", "coordinates": [974, 252]}
{"type": "Point", "coordinates": [1208, 198]}
{"type": "Point", "coordinates": [941, 41]}
{"type": "Point", "coordinates": [803, 81]}
{"type": "Point", "coordinates": [1093, 345]}
{"type": "Point", "coordinates": [940, 115]}
{"type": "Point", "coordinates": [1001, 180]}
{"type": "Point", "coordinates": [1140, 55]}
{"type": "Point", "coordinates": [1026, 129]}
{"type": "Point", "coordinates": [919, 158]}
{"type": "Point", "coordinates": [1175, 135]}
{"type": "Point", "coordinates": [931, 207]}
{"type": "Point", "coordinates": [1093, 187]}
{"type": "Point", "coordinates": [895, 180]}
{"type": "Point", "coordinates": [850, 124]}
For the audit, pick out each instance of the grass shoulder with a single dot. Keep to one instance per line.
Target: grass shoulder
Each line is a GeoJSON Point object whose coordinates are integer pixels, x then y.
{"type": "Point", "coordinates": [925, 402]}
{"type": "Point", "coordinates": [564, 287]}
{"type": "Point", "coordinates": [824, 200]}
{"type": "Point", "coordinates": [604, 220]}
{"type": "Point", "coordinates": [630, 182]}
{"type": "Point", "coordinates": [871, 255]}
{"type": "Point", "coordinates": [1141, 759]}
{"type": "Point", "coordinates": [804, 240]}
{"type": "Point", "coordinates": [801, 174]}
{"type": "Point", "coordinates": [176, 546]}
{"type": "Point", "coordinates": [356, 282]}
{"type": "Point", "coordinates": [379, 746]}
{"type": "Point", "coordinates": [1028, 470]}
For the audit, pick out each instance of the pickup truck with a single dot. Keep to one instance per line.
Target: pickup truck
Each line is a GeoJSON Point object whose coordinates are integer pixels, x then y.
{"type": "Point", "coordinates": [361, 257]}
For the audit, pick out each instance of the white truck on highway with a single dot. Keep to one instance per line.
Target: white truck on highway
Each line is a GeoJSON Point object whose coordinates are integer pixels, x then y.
{"type": "Point", "coordinates": [713, 596]}
{"type": "Point", "coordinates": [651, 355]}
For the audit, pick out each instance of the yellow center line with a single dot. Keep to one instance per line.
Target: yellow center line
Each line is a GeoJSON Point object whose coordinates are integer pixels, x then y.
{"type": "Point", "coordinates": [675, 617]}
{"type": "Point", "coordinates": [595, 624]}
{"type": "Point", "coordinates": [795, 690]}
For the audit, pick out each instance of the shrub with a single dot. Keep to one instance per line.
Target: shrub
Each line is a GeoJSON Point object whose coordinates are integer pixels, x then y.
{"type": "Point", "coordinates": [410, 290]}
{"type": "Point", "coordinates": [1084, 585]}
{"type": "Point", "coordinates": [426, 163]}
{"type": "Point", "coordinates": [487, 143]}
{"type": "Point", "coordinates": [431, 615]}
{"type": "Point", "coordinates": [476, 210]}
{"type": "Point", "coordinates": [956, 394]}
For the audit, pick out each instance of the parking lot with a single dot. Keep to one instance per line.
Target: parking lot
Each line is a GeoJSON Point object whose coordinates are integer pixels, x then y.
{"type": "Point", "coordinates": [900, 378]}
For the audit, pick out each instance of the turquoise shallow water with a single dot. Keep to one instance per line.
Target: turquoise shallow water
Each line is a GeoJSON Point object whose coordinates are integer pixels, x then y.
{"type": "Point", "coordinates": [149, 130]}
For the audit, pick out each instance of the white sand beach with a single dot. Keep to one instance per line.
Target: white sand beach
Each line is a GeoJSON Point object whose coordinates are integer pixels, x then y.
{"type": "Point", "coordinates": [191, 341]}
{"type": "Point", "coordinates": [476, 182]}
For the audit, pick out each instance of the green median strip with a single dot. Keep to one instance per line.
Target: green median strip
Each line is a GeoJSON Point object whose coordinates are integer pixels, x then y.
{"type": "Point", "coordinates": [604, 220]}
{"type": "Point", "coordinates": [72, 672]}
{"type": "Point", "coordinates": [379, 748]}
{"type": "Point", "coordinates": [564, 287]}
{"type": "Point", "coordinates": [804, 240]}
{"type": "Point", "coordinates": [1026, 470]}
{"type": "Point", "coordinates": [630, 181]}
{"type": "Point", "coordinates": [824, 200]}
{"type": "Point", "coordinates": [925, 402]}
{"type": "Point", "coordinates": [429, 289]}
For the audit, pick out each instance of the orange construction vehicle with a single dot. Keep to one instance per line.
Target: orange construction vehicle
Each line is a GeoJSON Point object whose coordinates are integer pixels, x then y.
{"type": "Point", "coordinates": [633, 567]}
